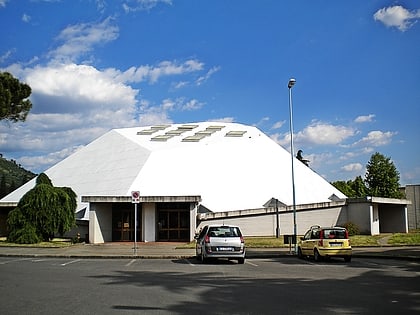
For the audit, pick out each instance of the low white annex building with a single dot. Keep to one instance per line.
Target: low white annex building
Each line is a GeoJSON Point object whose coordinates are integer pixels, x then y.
{"type": "Point", "coordinates": [186, 174]}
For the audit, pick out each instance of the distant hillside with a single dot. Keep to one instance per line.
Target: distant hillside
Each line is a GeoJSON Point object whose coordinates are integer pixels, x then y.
{"type": "Point", "coordinates": [12, 176]}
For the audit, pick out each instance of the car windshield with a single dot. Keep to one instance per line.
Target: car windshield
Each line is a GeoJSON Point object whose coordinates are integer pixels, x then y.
{"type": "Point", "coordinates": [335, 234]}
{"type": "Point", "coordinates": [224, 231]}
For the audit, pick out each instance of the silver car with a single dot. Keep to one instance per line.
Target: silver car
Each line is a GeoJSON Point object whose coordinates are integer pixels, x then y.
{"type": "Point", "coordinates": [220, 241]}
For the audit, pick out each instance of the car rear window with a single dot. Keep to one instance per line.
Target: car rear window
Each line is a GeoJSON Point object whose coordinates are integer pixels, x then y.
{"type": "Point", "coordinates": [224, 231]}
{"type": "Point", "coordinates": [335, 234]}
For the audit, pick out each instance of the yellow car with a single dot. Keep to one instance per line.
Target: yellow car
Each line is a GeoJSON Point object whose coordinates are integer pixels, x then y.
{"type": "Point", "coordinates": [324, 242]}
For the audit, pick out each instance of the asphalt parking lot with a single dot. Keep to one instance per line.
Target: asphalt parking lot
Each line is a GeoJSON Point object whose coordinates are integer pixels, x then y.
{"type": "Point", "coordinates": [51, 285]}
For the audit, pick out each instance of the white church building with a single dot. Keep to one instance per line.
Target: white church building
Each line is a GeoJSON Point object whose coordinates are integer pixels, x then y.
{"type": "Point", "coordinates": [190, 174]}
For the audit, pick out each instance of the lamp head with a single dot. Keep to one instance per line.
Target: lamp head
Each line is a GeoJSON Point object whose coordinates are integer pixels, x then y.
{"type": "Point", "coordinates": [291, 83]}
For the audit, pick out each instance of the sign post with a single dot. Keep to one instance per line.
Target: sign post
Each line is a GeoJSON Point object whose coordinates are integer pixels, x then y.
{"type": "Point", "coordinates": [135, 198]}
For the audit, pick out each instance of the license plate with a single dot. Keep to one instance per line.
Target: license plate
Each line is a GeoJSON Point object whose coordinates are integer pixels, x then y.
{"type": "Point", "coordinates": [336, 244]}
{"type": "Point", "coordinates": [224, 249]}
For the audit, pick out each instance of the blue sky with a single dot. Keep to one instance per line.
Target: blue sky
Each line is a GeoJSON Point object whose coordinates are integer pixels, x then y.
{"type": "Point", "coordinates": [98, 65]}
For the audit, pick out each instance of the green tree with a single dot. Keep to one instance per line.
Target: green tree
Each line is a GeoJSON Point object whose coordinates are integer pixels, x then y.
{"type": "Point", "coordinates": [42, 212]}
{"type": "Point", "coordinates": [14, 102]}
{"type": "Point", "coordinates": [344, 187]}
{"type": "Point", "coordinates": [359, 187]}
{"type": "Point", "coordinates": [382, 177]}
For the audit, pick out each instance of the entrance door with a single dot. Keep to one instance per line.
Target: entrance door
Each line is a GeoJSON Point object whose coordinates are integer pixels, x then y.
{"type": "Point", "coordinates": [173, 224]}
{"type": "Point", "coordinates": [123, 223]}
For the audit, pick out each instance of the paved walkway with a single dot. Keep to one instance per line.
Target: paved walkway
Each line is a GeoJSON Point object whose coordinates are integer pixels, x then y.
{"type": "Point", "coordinates": [175, 250]}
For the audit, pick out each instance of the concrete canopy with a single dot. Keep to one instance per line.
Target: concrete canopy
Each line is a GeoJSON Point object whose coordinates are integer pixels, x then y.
{"type": "Point", "coordinates": [231, 166]}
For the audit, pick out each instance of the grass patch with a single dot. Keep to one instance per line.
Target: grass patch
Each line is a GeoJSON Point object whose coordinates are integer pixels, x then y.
{"type": "Point", "coordinates": [405, 239]}
{"type": "Point", "coordinates": [412, 238]}
{"type": "Point", "coordinates": [264, 242]}
{"type": "Point", "coordinates": [55, 243]}
{"type": "Point", "coordinates": [365, 240]}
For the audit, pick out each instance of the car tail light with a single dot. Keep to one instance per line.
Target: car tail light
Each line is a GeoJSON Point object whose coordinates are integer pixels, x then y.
{"type": "Point", "coordinates": [242, 240]}
{"type": "Point", "coordinates": [207, 239]}
{"type": "Point", "coordinates": [321, 238]}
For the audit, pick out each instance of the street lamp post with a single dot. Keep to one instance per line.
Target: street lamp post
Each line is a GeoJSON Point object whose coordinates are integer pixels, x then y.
{"type": "Point", "coordinates": [290, 85]}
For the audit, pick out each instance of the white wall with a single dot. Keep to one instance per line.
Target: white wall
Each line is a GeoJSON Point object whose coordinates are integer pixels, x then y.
{"type": "Point", "coordinates": [100, 223]}
{"type": "Point", "coordinates": [265, 225]}
{"type": "Point", "coordinates": [149, 222]}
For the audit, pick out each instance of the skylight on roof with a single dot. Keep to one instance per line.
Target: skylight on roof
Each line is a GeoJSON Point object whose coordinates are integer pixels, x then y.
{"type": "Point", "coordinates": [160, 127]}
{"type": "Point", "coordinates": [175, 132]}
{"type": "Point", "coordinates": [235, 133]}
{"type": "Point", "coordinates": [146, 132]}
{"type": "Point", "coordinates": [187, 127]}
{"type": "Point", "coordinates": [195, 138]}
{"type": "Point", "coordinates": [215, 128]}
{"type": "Point", "coordinates": [161, 137]}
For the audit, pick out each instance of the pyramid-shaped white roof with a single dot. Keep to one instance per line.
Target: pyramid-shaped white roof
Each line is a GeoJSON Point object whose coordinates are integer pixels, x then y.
{"type": "Point", "coordinates": [231, 166]}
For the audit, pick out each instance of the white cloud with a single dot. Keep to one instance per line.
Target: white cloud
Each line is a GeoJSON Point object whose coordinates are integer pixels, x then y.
{"type": "Point", "coordinates": [375, 139]}
{"type": "Point", "coordinates": [207, 76]}
{"type": "Point", "coordinates": [154, 73]}
{"type": "Point", "coordinates": [79, 39]}
{"type": "Point", "coordinates": [76, 88]}
{"type": "Point", "coordinates": [397, 16]}
{"type": "Point", "coordinates": [142, 5]}
{"type": "Point", "coordinates": [320, 133]}
{"type": "Point", "coordinates": [363, 119]}
{"type": "Point", "coordinates": [278, 124]}
{"type": "Point", "coordinates": [223, 120]}
{"type": "Point", "coordinates": [3, 3]}
{"type": "Point", "coordinates": [6, 55]}
{"type": "Point", "coordinates": [26, 18]}
{"type": "Point", "coordinates": [352, 167]}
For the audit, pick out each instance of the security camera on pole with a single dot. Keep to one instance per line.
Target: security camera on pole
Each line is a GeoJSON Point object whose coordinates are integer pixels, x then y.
{"type": "Point", "coordinates": [135, 198]}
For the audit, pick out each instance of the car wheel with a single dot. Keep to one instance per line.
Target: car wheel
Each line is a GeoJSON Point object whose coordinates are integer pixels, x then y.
{"type": "Point", "coordinates": [300, 255]}
{"type": "Point", "coordinates": [317, 256]}
{"type": "Point", "coordinates": [347, 258]}
{"type": "Point", "coordinates": [241, 260]}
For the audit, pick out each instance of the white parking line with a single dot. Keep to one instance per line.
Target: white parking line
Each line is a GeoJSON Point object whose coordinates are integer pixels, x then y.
{"type": "Point", "coordinates": [189, 262]}
{"type": "Point", "coordinates": [71, 262]}
{"type": "Point", "coordinates": [130, 262]}
{"type": "Point", "coordinates": [13, 260]}
{"type": "Point", "coordinates": [250, 263]}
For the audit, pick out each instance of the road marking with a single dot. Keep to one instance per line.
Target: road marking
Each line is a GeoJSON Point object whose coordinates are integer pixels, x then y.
{"type": "Point", "coordinates": [38, 260]}
{"type": "Point", "coordinates": [71, 262]}
{"type": "Point", "coordinates": [250, 263]}
{"type": "Point", "coordinates": [13, 260]}
{"type": "Point", "coordinates": [132, 261]}
{"type": "Point", "coordinates": [189, 262]}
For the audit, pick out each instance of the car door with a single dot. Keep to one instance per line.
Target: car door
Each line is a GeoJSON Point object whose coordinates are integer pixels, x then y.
{"type": "Point", "coordinates": [306, 244]}
{"type": "Point", "coordinates": [199, 246]}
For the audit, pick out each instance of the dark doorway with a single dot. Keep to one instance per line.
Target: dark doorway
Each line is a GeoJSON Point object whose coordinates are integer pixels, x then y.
{"type": "Point", "coordinates": [123, 222]}
{"type": "Point", "coordinates": [173, 222]}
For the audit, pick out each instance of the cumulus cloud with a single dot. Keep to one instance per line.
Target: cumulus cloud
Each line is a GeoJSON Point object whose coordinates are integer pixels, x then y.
{"type": "Point", "coordinates": [363, 119]}
{"type": "Point", "coordinates": [352, 167]}
{"type": "Point", "coordinates": [80, 87]}
{"type": "Point", "coordinates": [320, 133]}
{"type": "Point", "coordinates": [317, 133]}
{"type": "Point", "coordinates": [397, 16]}
{"type": "Point", "coordinates": [375, 139]}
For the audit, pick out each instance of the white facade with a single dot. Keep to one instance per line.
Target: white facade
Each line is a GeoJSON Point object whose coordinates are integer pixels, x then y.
{"type": "Point", "coordinates": [225, 166]}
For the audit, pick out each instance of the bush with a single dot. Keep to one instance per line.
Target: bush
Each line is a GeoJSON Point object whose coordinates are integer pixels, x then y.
{"type": "Point", "coordinates": [352, 228]}
{"type": "Point", "coordinates": [25, 235]}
